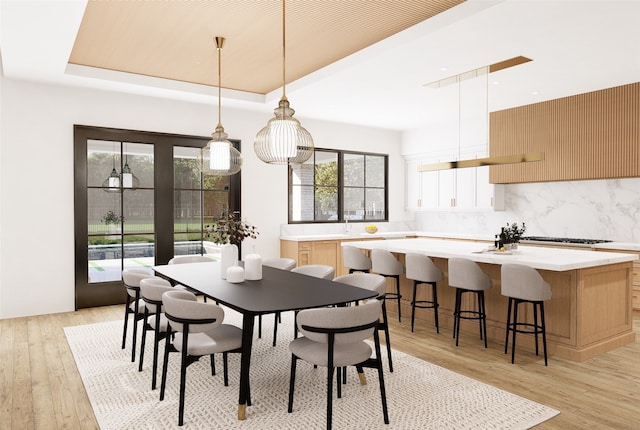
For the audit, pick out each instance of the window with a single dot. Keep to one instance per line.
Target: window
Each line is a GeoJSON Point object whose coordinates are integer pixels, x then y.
{"type": "Point", "coordinates": [139, 220]}
{"type": "Point", "coordinates": [334, 186]}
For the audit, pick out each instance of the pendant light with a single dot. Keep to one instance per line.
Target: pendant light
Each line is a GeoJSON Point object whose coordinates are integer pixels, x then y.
{"type": "Point", "coordinates": [129, 180]}
{"type": "Point", "coordinates": [219, 157]}
{"type": "Point", "coordinates": [283, 140]}
{"type": "Point", "coordinates": [112, 183]}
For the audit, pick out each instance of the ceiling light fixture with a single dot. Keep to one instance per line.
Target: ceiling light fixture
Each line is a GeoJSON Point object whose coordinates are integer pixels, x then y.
{"type": "Point", "coordinates": [488, 161]}
{"type": "Point", "coordinates": [219, 157]}
{"type": "Point", "coordinates": [283, 140]}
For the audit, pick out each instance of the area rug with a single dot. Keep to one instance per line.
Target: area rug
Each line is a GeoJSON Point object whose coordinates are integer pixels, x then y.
{"type": "Point", "coordinates": [420, 395]}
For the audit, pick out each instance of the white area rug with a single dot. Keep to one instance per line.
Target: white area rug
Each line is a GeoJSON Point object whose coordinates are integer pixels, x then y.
{"type": "Point", "coordinates": [420, 395]}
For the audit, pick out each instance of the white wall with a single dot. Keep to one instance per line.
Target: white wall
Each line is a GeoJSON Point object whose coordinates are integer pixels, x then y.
{"type": "Point", "coordinates": [36, 177]}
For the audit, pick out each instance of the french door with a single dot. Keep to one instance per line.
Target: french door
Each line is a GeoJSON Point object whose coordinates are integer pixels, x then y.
{"type": "Point", "coordinates": [140, 199]}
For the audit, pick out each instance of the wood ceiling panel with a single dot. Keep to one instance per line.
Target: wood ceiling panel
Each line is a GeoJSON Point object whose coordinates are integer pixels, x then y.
{"type": "Point", "coordinates": [174, 39]}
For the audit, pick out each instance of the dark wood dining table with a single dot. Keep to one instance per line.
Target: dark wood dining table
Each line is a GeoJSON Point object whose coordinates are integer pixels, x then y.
{"type": "Point", "coordinates": [277, 291]}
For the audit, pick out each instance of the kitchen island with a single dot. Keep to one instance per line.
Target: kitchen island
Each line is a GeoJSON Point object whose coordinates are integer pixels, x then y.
{"type": "Point", "coordinates": [589, 313]}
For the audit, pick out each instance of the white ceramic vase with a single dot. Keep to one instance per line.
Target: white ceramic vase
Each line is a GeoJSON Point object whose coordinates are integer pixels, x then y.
{"type": "Point", "coordinates": [229, 254]}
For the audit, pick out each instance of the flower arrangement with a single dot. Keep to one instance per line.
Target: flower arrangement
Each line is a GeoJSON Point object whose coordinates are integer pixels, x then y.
{"type": "Point", "coordinates": [230, 228]}
{"type": "Point", "coordinates": [512, 233]}
{"type": "Point", "coordinates": [112, 218]}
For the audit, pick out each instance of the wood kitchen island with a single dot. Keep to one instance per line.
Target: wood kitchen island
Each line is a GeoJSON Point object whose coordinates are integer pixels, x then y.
{"type": "Point", "coordinates": [590, 310]}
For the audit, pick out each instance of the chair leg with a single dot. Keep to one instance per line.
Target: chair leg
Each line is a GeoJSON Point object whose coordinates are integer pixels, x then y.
{"type": "Point", "coordinates": [456, 316]}
{"type": "Point", "coordinates": [292, 382]}
{"type": "Point", "coordinates": [330, 371]}
{"type": "Point", "coordinates": [156, 341]}
{"type": "Point", "coordinates": [183, 375]}
{"type": "Point", "coordinates": [212, 358]}
{"type": "Point", "coordinates": [143, 341]}
{"type": "Point", "coordinates": [225, 368]}
{"type": "Point", "coordinates": [165, 362]}
{"type": "Point", "coordinates": [127, 310]}
{"type": "Point", "coordinates": [383, 393]}
{"type": "Point", "coordinates": [385, 322]}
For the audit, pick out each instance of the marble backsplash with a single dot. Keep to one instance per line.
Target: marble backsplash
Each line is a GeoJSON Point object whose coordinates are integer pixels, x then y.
{"type": "Point", "coordinates": [595, 209]}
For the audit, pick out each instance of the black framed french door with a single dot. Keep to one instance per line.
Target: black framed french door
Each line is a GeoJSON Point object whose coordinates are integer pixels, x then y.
{"type": "Point", "coordinates": [140, 199]}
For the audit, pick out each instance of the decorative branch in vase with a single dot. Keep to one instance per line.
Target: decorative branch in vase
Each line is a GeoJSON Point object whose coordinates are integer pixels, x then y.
{"type": "Point", "coordinates": [231, 229]}
{"type": "Point", "coordinates": [512, 233]}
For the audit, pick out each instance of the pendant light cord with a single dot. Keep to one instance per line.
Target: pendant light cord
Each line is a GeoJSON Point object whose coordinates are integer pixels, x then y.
{"type": "Point", "coordinates": [219, 44]}
{"type": "Point", "coordinates": [284, 51]}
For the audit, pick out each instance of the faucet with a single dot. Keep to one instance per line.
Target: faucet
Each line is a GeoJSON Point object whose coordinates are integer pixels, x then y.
{"type": "Point", "coordinates": [347, 227]}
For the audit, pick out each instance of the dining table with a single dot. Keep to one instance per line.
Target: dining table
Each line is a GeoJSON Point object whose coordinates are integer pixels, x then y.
{"type": "Point", "coordinates": [277, 291]}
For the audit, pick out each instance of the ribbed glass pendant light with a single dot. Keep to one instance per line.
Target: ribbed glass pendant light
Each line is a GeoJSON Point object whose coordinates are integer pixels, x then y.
{"type": "Point", "coordinates": [219, 157]}
{"type": "Point", "coordinates": [283, 140]}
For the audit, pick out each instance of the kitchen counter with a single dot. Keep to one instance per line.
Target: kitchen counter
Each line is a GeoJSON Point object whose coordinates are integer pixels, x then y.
{"type": "Point", "coordinates": [590, 311]}
{"type": "Point", "coordinates": [544, 258]}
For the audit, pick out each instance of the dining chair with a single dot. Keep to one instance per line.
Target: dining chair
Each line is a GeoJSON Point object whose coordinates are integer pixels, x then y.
{"type": "Point", "coordinates": [523, 284]}
{"type": "Point", "coordinates": [377, 283]}
{"type": "Point", "coordinates": [334, 337]}
{"type": "Point", "coordinates": [384, 263]}
{"type": "Point", "coordinates": [151, 290]}
{"type": "Point", "coordinates": [467, 277]}
{"type": "Point", "coordinates": [196, 329]}
{"type": "Point", "coordinates": [354, 259]}
{"type": "Point", "coordinates": [133, 305]}
{"type": "Point", "coordinates": [421, 269]}
{"type": "Point", "coordinates": [182, 259]}
{"type": "Point", "coordinates": [317, 271]}
{"type": "Point", "coordinates": [281, 263]}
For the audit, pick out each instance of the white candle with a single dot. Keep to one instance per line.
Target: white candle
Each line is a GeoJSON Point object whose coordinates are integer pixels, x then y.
{"type": "Point", "coordinates": [253, 267]}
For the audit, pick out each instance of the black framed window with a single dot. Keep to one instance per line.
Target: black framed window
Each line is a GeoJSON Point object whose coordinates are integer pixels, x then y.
{"type": "Point", "coordinates": [335, 185]}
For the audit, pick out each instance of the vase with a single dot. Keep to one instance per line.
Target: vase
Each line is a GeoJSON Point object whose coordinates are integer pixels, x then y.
{"type": "Point", "coordinates": [253, 267]}
{"type": "Point", "coordinates": [229, 256]}
{"type": "Point", "coordinates": [235, 273]}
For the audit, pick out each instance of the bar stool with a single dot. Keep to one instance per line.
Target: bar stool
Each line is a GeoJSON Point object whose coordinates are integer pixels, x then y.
{"type": "Point", "coordinates": [421, 270]}
{"type": "Point", "coordinates": [467, 277]}
{"type": "Point", "coordinates": [523, 284]}
{"type": "Point", "coordinates": [384, 263]}
{"type": "Point", "coordinates": [355, 260]}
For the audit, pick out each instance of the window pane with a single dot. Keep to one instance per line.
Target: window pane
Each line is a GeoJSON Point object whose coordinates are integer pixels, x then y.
{"type": "Point", "coordinates": [326, 169]}
{"type": "Point", "coordinates": [375, 171]}
{"type": "Point", "coordinates": [138, 211]}
{"type": "Point", "coordinates": [213, 182]}
{"type": "Point", "coordinates": [326, 200]}
{"type": "Point", "coordinates": [139, 157]}
{"type": "Point", "coordinates": [105, 263]}
{"type": "Point", "coordinates": [375, 204]}
{"type": "Point", "coordinates": [102, 158]}
{"type": "Point", "coordinates": [186, 174]}
{"type": "Point", "coordinates": [353, 203]}
{"type": "Point", "coordinates": [353, 170]}
{"type": "Point", "coordinates": [302, 174]}
{"type": "Point", "coordinates": [302, 203]}
{"type": "Point", "coordinates": [215, 205]}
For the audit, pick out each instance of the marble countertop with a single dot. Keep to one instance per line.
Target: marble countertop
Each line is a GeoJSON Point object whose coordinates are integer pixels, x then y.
{"type": "Point", "coordinates": [544, 258]}
{"type": "Point", "coordinates": [619, 246]}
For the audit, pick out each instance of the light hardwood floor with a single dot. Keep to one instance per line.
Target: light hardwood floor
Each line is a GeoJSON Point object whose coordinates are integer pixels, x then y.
{"type": "Point", "coordinates": [40, 387]}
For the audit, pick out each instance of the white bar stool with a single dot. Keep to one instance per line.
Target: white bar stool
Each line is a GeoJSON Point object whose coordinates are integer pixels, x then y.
{"type": "Point", "coordinates": [523, 284]}
{"type": "Point", "coordinates": [384, 263]}
{"type": "Point", "coordinates": [467, 277]}
{"type": "Point", "coordinates": [421, 270]}
{"type": "Point", "coordinates": [355, 260]}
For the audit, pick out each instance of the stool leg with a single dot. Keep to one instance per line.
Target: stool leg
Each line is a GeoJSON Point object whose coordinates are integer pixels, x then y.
{"type": "Point", "coordinates": [397, 278]}
{"type": "Point", "coordinates": [434, 288]}
{"type": "Point", "coordinates": [456, 320]}
{"type": "Point", "coordinates": [506, 337]}
{"type": "Point", "coordinates": [413, 304]}
{"type": "Point", "coordinates": [515, 323]}
{"type": "Point", "coordinates": [483, 318]}
{"type": "Point", "coordinates": [535, 324]}
{"type": "Point", "coordinates": [544, 332]}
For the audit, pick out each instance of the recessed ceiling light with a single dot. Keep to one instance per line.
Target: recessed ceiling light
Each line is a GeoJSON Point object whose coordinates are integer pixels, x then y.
{"type": "Point", "coordinates": [495, 82]}
{"type": "Point", "coordinates": [535, 93]}
{"type": "Point", "coordinates": [443, 69]}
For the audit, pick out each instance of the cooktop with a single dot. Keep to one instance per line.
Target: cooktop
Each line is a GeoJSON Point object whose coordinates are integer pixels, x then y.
{"type": "Point", "coordinates": [564, 240]}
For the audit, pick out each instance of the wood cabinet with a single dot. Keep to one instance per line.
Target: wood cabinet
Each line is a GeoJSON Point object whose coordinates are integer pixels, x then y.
{"type": "Point", "coordinates": [635, 289]}
{"type": "Point", "coordinates": [327, 252]}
